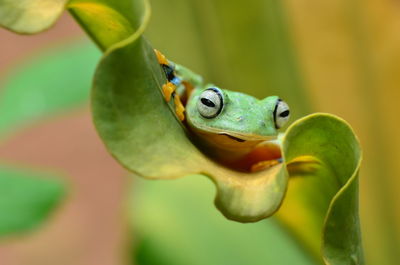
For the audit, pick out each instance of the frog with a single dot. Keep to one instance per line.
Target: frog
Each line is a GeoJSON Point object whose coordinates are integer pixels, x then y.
{"type": "Point", "coordinates": [228, 125]}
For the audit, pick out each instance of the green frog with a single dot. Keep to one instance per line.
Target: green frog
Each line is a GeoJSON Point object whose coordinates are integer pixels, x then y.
{"type": "Point", "coordinates": [229, 125]}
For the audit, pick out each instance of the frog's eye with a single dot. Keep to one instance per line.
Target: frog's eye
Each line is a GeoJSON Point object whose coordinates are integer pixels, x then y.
{"type": "Point", "coordinates": [210, 103]}
{"type": "Point", "coordinates": [281, 113]}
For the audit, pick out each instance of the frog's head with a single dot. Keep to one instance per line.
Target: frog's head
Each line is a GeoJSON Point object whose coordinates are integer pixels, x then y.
{"type": "Point", "coordinates": [227, 117]}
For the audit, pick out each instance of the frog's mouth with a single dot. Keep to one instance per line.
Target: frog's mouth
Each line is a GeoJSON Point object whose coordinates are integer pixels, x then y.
{"type": "Point", "coordinates": [247, 137]}
{"type": "Point", "coordinates": [234, 138]}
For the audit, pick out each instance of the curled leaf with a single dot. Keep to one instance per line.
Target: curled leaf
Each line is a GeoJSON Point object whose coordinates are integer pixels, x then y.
{"type": "Point", "coordinates": [109, 22]}
{"type": "Point", "coordinates": [138, 126]}
{"type": "Point", "coordinates": [143, 134]}
{"type": "Point", "coordinates": [324, 156]}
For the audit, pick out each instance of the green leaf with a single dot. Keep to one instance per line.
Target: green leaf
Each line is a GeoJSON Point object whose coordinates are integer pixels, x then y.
{"type": "Point", "coordinates": [127, 91]}
{"type": "Point", "coordinates": [324, 157]}
{"type": "Point", "coordinates": [30, 16]}
{"type": "Point", "coordinates": [143, 134]}
{"type": "Point", "coordinates": [31, 93]}
{"type": "Point", "coordinates": [26, 200]}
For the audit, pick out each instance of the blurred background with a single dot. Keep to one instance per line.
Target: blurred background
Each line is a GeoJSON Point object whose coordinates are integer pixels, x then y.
{"type": "Point", "coordinates": [338, 56]}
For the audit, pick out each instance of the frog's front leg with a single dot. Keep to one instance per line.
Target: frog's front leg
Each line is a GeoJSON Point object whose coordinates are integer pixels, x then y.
{"type": "Point", "coordinates": [169, 89]}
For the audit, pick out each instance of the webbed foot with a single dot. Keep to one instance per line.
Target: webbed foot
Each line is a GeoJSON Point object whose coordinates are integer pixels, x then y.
{"type": "Point", "coordinates": [161, 57]}
{"type": "Point", "coordinates": [168, 89]}
{"type": "Point", "coordinates": [179, 108]}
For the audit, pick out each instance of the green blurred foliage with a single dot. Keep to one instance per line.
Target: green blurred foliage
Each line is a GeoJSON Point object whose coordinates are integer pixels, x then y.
{"type": "Point", "coordinates": [26, 199]}
{"type": "Point", "coordinates": [41, 87]}
{"type": "Point", "coordinates": [175, 225]}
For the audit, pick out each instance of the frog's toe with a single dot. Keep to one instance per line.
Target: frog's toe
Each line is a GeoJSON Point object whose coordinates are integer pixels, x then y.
{"type": "Point", "coordinates": [179, 108]}
{"type": "Point", "coordinates": [161, 57]}
{"type": "Point", "coordinates": [168, 89]}
{"type": "Point", "coordinates": [262, 165]}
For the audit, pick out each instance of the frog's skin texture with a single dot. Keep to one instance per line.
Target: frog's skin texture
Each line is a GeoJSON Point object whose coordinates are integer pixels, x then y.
{"type": "Point", "coordinates": [229, 125]}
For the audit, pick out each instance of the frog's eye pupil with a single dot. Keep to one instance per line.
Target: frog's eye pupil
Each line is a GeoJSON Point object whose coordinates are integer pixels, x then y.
{"type": "Point", "coordinates": [284, 114]}
{"type": "Point", "coordinates": [281, 113]}
{"type": "Point", "coordinates": [210, 103]}
{"type": "Point", "coordinates": [207, 102]}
